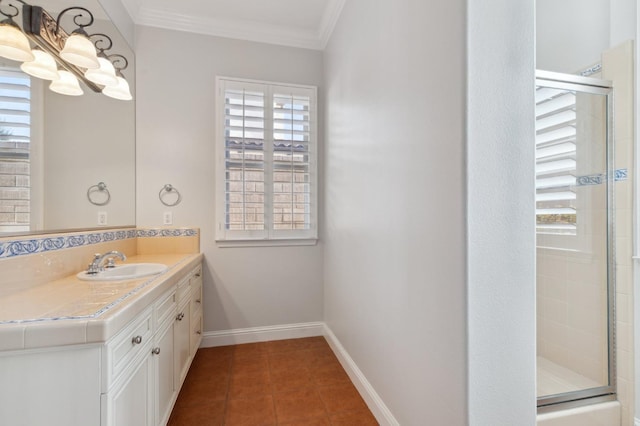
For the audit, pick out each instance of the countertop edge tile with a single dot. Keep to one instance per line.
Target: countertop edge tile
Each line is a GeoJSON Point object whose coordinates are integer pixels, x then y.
{"type": "Point", "coordinates": [12, 337]}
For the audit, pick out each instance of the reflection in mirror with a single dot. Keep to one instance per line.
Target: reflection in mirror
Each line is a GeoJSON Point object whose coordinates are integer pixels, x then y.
{"type": "Point", "coordinates": [54, 148]}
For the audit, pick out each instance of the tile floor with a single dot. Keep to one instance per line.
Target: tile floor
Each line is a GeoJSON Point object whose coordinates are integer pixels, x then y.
{"type": "Point", "coordinates": [285, 382]}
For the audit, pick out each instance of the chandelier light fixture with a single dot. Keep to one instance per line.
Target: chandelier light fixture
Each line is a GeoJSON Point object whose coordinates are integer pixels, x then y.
{"type": "Point", "coordinates": [63, 58]}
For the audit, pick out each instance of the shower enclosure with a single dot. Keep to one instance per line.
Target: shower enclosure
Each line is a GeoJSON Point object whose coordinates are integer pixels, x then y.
{"type": "Point", "coordinates": [575, 266]}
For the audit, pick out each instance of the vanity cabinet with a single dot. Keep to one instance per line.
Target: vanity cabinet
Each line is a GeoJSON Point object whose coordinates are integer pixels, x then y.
{"type": "Point", "coordinates": [131, 379]}
{"type": "Point", "coordinates": [145, 392]}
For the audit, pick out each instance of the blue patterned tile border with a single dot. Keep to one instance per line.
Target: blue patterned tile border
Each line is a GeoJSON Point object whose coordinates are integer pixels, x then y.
{"type": "Point", "coordinates": [98, 312]}
{"type": "Point", "coordinates": [590, 180]}
{"type": "Point", "coordinates": [167, 232]}
{"type": "Point", "coordinates": [10, 248]}
{"type": "Point", "coordinates": [619, 175]}
{"type": "Point", "coordinates": [40, 244]}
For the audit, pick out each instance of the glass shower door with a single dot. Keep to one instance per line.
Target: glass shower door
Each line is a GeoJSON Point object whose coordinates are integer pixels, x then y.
{"type": "Point", "coordinates": [574, 268]}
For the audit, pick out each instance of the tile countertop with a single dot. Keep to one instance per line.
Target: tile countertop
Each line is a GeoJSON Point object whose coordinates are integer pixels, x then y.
{"type": "Point", "coordinates": [70, 311]}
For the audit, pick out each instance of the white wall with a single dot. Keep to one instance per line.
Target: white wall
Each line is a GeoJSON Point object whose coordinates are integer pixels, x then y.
{"type": "Point", "coordinates": [243, 287]}
{"type": "Point", "coordinates": [405, 285]}
{"type": "Point", "coordinates": [571, 34]}
{"type": "Point", "coordinates": [395, 202]}
{"type": "Point", "coordinates": [500, 213]}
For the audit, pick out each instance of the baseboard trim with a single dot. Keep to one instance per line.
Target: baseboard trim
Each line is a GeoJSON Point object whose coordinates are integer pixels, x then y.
{"type": "Point", "coordinates": [368, 393]}
{"type": "Point", "coordinates": [261, 334]}
{"type": "Point", "coordinates": [636, 421]}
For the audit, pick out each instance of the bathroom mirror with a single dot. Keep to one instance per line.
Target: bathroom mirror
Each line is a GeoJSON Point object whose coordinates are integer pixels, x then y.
{"type": "Point", "coordinates": [75, 168]}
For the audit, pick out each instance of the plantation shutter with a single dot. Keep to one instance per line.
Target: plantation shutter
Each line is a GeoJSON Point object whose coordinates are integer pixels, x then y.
{"type": "Point", "coordinates": [245, 159]}
{"type": "Point", "coordinates": [268, 161]}
{"type": "Point", "coordinates": [15, 136]}
{"type": "Point", "coordinates": [555, 161]}
{"type": "Point", "coordinates": [292, 162]}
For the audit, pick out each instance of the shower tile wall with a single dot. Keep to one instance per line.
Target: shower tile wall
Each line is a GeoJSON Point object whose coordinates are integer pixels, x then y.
{"type": "Point", "coordinates": [618, 67]}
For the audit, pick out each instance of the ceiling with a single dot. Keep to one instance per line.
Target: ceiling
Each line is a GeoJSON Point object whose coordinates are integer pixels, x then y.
{"type": "Point", "coordinates": [298, 23]}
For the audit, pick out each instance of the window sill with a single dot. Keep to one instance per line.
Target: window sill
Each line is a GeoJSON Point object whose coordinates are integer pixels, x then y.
{"type": "Point", "coordinates": [266, 243]}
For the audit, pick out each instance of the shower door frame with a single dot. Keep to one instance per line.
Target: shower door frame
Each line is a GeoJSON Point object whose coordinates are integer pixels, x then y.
{"type": "Point", "coordinates": [605, 88]}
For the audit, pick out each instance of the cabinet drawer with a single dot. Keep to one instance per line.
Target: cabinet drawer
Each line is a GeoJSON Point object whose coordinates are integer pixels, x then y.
{"type": "Point", "coordinates": [196, 297]}
{"type": "Point", "coordinates": [129, 342]}
{"type": "Point", "coordinates": [165, 308]}
{"type": "Point", "coordinates": [183, 290]}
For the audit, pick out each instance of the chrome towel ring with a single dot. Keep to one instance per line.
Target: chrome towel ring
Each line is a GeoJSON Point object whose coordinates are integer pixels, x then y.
{"type": "Point", "coordinates": [165, 191]}
{"type": "Point", "coordinates": [99, 188]}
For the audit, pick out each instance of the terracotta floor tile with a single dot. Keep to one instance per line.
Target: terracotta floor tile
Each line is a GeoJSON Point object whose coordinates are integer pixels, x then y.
{"type": "Point", "coordinates": [211, 364]}
{"type": "Point", "coordinates": [315, 421]}
{"type": "Point", "coordinates": [292, 379]}
{"type": "Point", "coordinates": [198, 390]}
{"type": "Point", "coordinates": [341, 398]}
{"type": "Point", "coordinates": [359, 418]}
{"type": "Point", "coordinates": [330, 375]}
{"type": "Point", "coordinates": [250, 385]}
{"type": "Point", "coordinates": [211, 414]}
{"type": "Point", "coordinates": [249, 350]}
{"type": "Point", "coordinates": [290, 360]}
{"type": "Point", "coordinates": [248, 366]}
{"type": "Point", "coordinates": [298, 405]}
{"type": "Point", "coordinates": [250, 412]}
{"type": "Point", "coordinates": [297, 382]}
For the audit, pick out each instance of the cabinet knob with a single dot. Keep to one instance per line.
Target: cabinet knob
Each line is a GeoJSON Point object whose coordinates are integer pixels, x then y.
{"type": "Point", "coordinates": [136, 340]}
{"type": "Point", "coordinates": [155, 351]}
{"type": "Point", "coordinates": [198, 301]}
{"type": "Point", "coordinates": [197, 274]}
{"type": "Point", "coordinates": [198, 332]}
{"type": "Point", "coordinates": [180, 316]}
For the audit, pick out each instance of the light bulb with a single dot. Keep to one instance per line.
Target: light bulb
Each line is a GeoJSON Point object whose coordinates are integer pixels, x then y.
{"type": "Point", "coordinates": [105, 75]}
{"type": "Point", "coordinates": [67, 84]}
{"type": "Point", "coordinates": [121, 91]}
{"type": "Point", "coordinates": [14, 44]}
{"type": "Point", "coordinates": [80, 51]}
{"type": "Point", "coordinates": [43, 66]}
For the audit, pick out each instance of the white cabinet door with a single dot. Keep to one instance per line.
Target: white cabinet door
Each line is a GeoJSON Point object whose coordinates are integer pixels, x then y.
{"type": "Point", "coordinates": [181, 333]}
{"type": "Point", "coordinates": [165, 389]}
{"type": "Point", "coordinates": [53, 387]}
{"type": "Point", "coordinates": [130, 402]}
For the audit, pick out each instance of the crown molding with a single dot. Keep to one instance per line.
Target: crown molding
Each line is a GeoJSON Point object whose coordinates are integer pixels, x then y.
{"type": "Point", "coordinates": [329, 20]}
{"type": "Point", "coordinates": [236, 29]}
{"type": "Point", "coordinates": [239, 29]}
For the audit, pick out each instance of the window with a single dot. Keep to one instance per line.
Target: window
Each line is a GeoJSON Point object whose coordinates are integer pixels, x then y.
{"type": "Point", "coordinates": [15, 136]}
{"type": "Point", "coordinates": [267, 161]}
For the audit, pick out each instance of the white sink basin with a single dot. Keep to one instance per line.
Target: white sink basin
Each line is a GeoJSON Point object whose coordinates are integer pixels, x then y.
{"type": "Point", "coordinates": [127, 271]}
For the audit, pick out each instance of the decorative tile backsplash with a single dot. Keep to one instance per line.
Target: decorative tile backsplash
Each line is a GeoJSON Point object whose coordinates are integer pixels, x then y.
{"type": "Point", "coordinates": [165, 232]}
{"type": "Point", "coordinates": [10, 248]}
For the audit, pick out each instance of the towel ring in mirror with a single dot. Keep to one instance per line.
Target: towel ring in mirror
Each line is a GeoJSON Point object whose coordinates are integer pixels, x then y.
{"type": "Point", "coordinates": [98, 191]}
{"type": "Point", "coordinates": [167, 190]}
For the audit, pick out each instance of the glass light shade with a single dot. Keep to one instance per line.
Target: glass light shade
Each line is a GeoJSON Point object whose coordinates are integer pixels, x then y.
{"type": "Point", "coordinates": [105, 75]}
{"type": "Point", "coordinates": [43, 66]}
{"type": "Point", "coordinates": [78, 50]}
{"type": "Point", "coordinates": [121, 91]}
{"type": "Point", "coordinates": [67, 84]}
{"type": "Point", "coordinates": [14, 44]}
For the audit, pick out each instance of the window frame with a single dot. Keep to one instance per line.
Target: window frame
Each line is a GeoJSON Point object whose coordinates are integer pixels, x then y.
{"type": "Point", "coordinates": [269, 236]}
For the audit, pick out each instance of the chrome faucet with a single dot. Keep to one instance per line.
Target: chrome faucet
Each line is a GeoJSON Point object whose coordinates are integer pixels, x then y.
{"type": "Point", "coordinates": [97, 264]}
